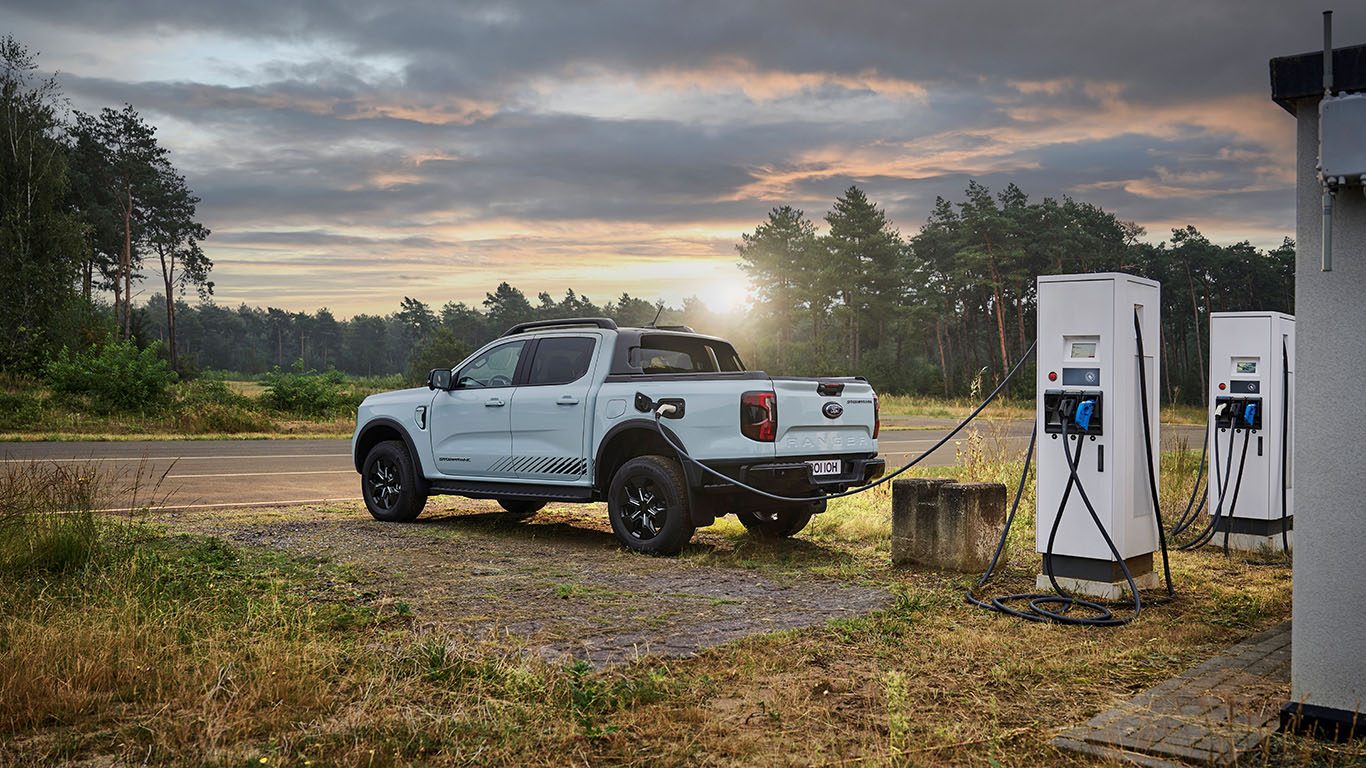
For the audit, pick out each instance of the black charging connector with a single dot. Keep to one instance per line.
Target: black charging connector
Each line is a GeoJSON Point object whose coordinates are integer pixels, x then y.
{"type": "Point", "coordinates": [1066, 406]}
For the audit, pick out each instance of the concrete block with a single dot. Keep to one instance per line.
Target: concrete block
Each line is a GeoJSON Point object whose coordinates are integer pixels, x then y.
{"type": "Point", "coordinates": [941, 524]}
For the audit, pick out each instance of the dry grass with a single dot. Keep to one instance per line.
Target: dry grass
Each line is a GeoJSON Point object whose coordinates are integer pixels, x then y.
{"type": "Point", "coordinates": [167, 650]}
{"type": "Point", "coordinates": [932, 406]}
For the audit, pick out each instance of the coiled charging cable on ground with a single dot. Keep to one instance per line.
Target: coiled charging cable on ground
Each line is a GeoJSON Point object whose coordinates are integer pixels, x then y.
{"type": "Point", "coordinates": [666, 408]}
{"type": "Point", "coordinates": [1043, 607]}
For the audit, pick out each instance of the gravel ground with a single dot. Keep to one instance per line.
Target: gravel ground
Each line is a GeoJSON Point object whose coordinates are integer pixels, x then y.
{"type": "Point", "coordinates": [556, 584]}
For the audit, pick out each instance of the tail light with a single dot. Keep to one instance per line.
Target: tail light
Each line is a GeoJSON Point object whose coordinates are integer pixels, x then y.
{"type": "Point", "coordinates": [759, 416]}
{"type": "Point", "coordinates": [877, 418]}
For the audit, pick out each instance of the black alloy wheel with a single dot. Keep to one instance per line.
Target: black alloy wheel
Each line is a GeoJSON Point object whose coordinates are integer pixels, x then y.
{"type": "Point", "coordinates": [390, 484]}
{"type": "Point", "coordinates": [643, 509]}
{"type": "Point", "coordinates": [648, 506]}
{"type": "Point", "coordinates": [385, 483]}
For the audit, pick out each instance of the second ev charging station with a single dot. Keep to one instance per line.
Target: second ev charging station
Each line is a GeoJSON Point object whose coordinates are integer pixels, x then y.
{"type": "Point", "coordinates": [1251, 403]}
{"type": "Point", "coordinates": [1094, 453]}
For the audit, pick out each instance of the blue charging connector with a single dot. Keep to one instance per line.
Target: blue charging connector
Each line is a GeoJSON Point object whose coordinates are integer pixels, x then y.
{"type": "Point", "coordinates": [1082, 418]}
{"type": "Point", "coordinates": [1250, 415]}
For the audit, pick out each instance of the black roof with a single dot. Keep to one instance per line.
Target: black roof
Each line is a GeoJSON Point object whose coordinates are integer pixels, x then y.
{"type": "Point", "coordinates": [1301, 76]}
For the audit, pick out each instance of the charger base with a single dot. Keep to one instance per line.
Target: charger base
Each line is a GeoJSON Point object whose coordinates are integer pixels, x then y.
{"type": "Point", "coordinates": [1103, 579]}
{"type": "Point", "coordinates": [1253, 535]}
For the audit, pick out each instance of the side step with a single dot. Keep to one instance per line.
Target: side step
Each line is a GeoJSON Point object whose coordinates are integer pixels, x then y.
{"type": "Point", "coordinates": [527, 491]}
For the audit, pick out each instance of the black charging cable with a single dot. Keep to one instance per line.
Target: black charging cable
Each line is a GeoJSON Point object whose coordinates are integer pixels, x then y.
{"type": "Point", "coordinates": [1285, 444]}
{"type": "Point", "coordinates": [884, 479]}
{"type": "Point", "coordinates": [1208, 533]}
{"type": "Point", "coordinates": [1193, 509]}
{"type": "Point", "coordinates": [1056, 607]}
{"type": "Point", "coordinates": [1148, 454]}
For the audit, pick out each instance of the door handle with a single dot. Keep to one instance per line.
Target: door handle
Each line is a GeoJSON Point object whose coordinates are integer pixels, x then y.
{"type": "Point", "coordinates": [567, 400]}
{"type": "Point", "coordinates": [494, 402]}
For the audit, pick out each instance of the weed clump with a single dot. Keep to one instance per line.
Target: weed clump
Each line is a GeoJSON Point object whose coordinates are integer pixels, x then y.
{"type": "Point", "coordinates": [47, 521]}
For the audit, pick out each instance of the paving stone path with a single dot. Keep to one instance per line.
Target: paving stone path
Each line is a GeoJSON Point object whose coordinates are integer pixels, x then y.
{"type": "Point", "coordinates": [1213, 714]}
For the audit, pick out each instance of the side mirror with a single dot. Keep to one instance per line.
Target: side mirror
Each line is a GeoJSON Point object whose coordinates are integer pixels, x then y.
{"type": "Point", "coordinates": [439, 378]}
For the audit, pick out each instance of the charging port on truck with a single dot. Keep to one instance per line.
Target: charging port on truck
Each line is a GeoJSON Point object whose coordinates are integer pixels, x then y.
{"type": "Point", "coordinates": [1080, 409]}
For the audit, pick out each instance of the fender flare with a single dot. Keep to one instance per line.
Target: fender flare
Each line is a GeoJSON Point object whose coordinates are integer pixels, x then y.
{"type": "Point", "coordinates": [700, 518]}
{"type": "Point", "coordinates": [386, 421]}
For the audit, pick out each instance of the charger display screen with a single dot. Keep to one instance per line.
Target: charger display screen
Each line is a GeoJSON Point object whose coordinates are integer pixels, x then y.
{"type": "Point", "coordinates": [1083, 350]}
{"type": "Point", "coordinates": [1246, 366]}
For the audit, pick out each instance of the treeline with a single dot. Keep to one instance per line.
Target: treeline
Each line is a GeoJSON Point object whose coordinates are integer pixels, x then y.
{"type": "Point", "coordinates": [414, 339]}
{"type": "Point", "coordinates": [928, 313]}
{"type": "Point", "coordinates": [89, 204]}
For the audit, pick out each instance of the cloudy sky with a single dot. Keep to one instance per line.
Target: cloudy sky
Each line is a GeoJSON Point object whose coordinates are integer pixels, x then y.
{"type": "Point", "coordinates": [350, 153]}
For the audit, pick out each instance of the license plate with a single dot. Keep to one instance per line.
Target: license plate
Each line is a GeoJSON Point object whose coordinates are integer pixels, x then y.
{"type": "Point", "coordinates": [825, 467]}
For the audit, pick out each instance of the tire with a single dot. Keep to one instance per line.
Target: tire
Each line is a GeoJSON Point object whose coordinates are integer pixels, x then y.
{"type": "Point", "coordinates": [648, 506]}
{"type": "Point", "coordinates": [390, 484]}
{"type": "Point", "coordinates": [780, 523]}
{"type": "Point", "coordinates": [520, 507]}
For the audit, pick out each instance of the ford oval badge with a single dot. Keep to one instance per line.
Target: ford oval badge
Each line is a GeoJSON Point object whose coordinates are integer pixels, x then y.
{"type": "Point", "coordinates": [832, 410]}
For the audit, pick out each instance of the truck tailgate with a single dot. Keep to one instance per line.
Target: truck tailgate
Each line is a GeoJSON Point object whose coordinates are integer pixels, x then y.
{"type": "Point", "coordinates": [807, 427]}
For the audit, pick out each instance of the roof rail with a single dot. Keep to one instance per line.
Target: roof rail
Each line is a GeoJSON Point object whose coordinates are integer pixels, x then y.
{"type": "Point", "coordinates": [568, 322]}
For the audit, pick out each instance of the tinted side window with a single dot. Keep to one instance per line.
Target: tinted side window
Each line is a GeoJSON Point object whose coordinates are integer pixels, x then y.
{"type": "Point", "coordinates": [494, 368]}
{"type": "Point", "coordinates": [561, 361]}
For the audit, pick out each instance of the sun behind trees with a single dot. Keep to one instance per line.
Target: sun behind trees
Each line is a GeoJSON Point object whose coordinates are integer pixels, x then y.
{"type": "Point", "coordinates": [920, 315]}
{"type": "Point", "coordinates": [930, 312]}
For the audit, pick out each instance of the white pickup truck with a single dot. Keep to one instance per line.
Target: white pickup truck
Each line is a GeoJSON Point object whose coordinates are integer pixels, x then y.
{"type": "Point", "coordinates": [565, 410]}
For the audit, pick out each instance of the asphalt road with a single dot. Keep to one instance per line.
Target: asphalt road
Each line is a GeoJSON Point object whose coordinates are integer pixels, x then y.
{"type": "Point", "coordinates": [237, 473]}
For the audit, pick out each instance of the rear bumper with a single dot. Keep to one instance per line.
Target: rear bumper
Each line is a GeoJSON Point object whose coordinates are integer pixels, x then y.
{"type": "Point", "coordinates": [789, 476]}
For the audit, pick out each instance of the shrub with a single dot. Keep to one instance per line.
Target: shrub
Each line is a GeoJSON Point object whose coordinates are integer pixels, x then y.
{"type": "Point", "coordinates": [307, 392]}
{"type": "Point", "coordinates": [20, 410]}
{"type": "Point", "coordinates": [114, 377]}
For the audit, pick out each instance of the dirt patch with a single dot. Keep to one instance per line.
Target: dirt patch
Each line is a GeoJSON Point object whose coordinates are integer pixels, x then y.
{"type": "Point", "coordinates": [558, 590]}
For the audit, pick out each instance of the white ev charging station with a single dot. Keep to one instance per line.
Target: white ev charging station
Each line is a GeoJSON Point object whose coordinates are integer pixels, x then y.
{"type": "Point", "coordinates": [1089, 416]}
{"type": "Point", "coordinates": [1251, 435]}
